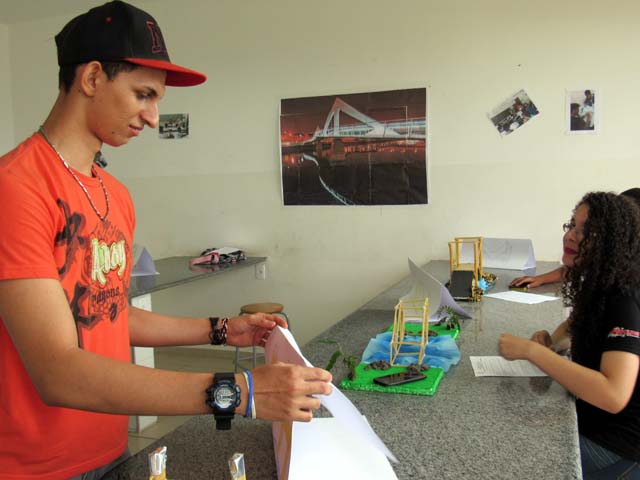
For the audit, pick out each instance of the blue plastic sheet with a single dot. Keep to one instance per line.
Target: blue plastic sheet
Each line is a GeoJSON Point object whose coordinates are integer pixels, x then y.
{"type": "Point", "coordinates": [441, 351]}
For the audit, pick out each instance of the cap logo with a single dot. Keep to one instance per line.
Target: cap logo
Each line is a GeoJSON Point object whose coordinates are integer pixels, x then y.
{"type": "Point", "coordinates": [157, 42]}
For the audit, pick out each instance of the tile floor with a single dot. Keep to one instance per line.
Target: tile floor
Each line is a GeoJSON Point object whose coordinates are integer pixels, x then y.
{"type": "Point", "coordinates": [185, 360]}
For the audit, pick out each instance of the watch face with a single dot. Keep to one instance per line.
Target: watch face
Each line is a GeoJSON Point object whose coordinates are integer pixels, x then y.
{"type": "Point", "coordinates": [225, 396]}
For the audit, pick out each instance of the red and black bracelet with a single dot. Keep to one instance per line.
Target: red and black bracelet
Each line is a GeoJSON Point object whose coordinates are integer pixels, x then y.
{"type": "Point", "coordinates": [218, 333]}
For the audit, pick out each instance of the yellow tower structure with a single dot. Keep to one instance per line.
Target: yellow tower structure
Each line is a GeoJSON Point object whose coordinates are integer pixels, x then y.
{"type": "Point", "coordinates": [456, 267]}
{"type": "Point", "coordinates": [409, 309]}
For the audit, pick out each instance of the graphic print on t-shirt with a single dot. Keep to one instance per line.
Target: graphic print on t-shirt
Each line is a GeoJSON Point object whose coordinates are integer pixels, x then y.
{"type": "Point", "coordinates": [619, 332]}
{"type": "Point", "coordinates": [69, 237]}
{"type": "Point", "coordinates": [107, 263]}
{"type": "Point", "coordinates": [102, 257]}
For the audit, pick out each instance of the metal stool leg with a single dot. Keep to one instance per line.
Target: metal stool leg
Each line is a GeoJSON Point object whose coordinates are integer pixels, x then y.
{"type": "Point", "coordinates": [237, 360]}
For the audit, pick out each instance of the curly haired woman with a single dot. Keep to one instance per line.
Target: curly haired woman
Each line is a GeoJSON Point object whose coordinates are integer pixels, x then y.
{"type": "Point", "coordinates": [602, 284]}
{"type": "Point", "coordinates": [557, 274]}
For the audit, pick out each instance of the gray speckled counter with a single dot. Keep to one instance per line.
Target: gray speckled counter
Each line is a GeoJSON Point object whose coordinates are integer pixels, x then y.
{"type": "Point", "coordinates": [472, 428]}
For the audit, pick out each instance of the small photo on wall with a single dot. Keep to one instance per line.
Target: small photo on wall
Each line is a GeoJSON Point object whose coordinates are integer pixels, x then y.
{"type": "Point", "coordinates": [582, 111]}
{"type": "Point", "coordinates": [513, 113]}
{"type": "Point", "coordinates": [173, 125]}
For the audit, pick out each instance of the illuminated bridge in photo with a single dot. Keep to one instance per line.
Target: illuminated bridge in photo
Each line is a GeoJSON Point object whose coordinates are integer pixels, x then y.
{"type": "Point", "coordinates": [367, 128]}
{"type": "Point", "coordinates": [341, 136]}
{"type": "Point", "coordinates": [335, 194]}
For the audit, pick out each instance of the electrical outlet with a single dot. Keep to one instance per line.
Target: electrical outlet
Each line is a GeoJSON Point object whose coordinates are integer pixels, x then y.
{"type": "Point", "coordinates": [261, 271]}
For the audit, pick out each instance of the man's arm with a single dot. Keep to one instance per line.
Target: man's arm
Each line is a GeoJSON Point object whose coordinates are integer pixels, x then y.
{"type": "Point", "coordinates": [150, 329]}
{"type": "Point", "coordinates": [39, 321]}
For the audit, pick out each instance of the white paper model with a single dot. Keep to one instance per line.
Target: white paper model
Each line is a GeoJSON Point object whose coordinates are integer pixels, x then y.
{"type": "Point", "coordinates": [504, 253]}
{"type": "Point", "coordinates": [281, 346]}
{"type": "Point", "coordinates": [426, 285]}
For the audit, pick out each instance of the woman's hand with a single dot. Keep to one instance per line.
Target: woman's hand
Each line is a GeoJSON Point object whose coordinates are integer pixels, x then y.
{"type": "Point", "coordinates": [252, 330]}
{"type": "Point", "coordinates": [514, 348]}
{"type": "Point", "coordinates": [542, 337]}
{"type": "Point", "coordinates": [529, 282]}
{"type": "Point", "coordinates": [553, 276]}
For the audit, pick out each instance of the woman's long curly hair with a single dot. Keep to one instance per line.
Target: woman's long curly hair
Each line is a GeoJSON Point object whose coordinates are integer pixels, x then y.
{"type": "Point", "coordinates": [607, 263]}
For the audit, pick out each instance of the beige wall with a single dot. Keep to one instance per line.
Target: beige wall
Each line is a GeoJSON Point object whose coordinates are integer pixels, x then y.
{"type": "Point", "coordinates": [221, 186]}
{"type": "Point", "coordinates": [6, 114]}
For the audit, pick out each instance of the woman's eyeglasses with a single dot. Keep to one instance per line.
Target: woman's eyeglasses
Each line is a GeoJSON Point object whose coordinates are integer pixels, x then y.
{"type": "Point", "coordinates": [580, 234]}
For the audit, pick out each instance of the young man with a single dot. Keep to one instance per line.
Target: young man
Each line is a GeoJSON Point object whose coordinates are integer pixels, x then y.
{"type": "Point", "coordinates": [65, 261]}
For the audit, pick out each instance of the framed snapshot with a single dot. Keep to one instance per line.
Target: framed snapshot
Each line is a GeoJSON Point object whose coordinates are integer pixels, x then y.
{"type": "Point", "coordinates": [355, 149]}
{"type": "Point", "coordinates": [582, 111]}
{"type": "Point", "coordinates": [173, 125]}
{"type": "Point", "coordinates": [513, 113]}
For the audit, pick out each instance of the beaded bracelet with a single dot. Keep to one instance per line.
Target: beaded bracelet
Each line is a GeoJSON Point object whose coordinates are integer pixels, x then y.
{"type": "Point", "coordinates": [218, 336]}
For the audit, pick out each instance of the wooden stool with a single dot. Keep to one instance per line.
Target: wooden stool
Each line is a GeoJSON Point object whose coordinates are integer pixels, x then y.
{"type": "Point", "coordinates": [264, 307]}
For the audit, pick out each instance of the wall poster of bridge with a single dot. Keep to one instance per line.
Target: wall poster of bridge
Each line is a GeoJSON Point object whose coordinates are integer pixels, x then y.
{"type": "Point", "coordinates": [355, 149]}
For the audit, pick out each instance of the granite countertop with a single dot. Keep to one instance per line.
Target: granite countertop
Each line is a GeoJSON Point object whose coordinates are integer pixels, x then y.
{"type": "Point", "coordinates": [472, 428]}
{"type": "Point", "coordinates": [174, 271]}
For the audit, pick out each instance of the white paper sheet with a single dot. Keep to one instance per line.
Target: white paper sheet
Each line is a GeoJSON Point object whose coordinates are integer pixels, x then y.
{"type": "Point", "coordinates": [282, 347]}
{"type": "Point", "coordinates": [426, 285]}
{"type": "Point", "coordinates": [342, 454]}
{"type": "Point", "coordinates": [505, 253]}
{"type": "Point", "coordinates": [501, 367]}
{"type": "Point", "coordinates": [521, 297]}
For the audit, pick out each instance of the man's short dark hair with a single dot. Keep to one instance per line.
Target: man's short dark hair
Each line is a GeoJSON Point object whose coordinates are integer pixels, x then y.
{"type": "Point", "coordinates": [67, 73]}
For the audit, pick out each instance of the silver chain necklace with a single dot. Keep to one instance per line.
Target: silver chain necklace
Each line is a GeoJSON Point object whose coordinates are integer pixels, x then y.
{"type": "Point", "coordinates": [84, 189]}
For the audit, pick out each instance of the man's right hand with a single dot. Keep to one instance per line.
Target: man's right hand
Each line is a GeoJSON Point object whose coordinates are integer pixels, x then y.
{"type": "Point", "coordinates": [283, 392]}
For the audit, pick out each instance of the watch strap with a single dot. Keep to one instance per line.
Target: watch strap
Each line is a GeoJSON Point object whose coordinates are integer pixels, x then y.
{"type": "Point", "coordinates": [223, 422]}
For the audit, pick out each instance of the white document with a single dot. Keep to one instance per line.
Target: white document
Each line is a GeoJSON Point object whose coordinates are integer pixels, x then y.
{"type": "Point", "coordinates": [505, 253]}
{"type": "Point", "coordinates": [282, 347]}
{"type": "Point", "coordinates": [337, 453]}
{"type": "Point", "coordinates": [501, 367]}
{"type": "Point", "coordinates": [142, 262]}
{"type": "Point", "coordinates": [521, 297]}
{"type": "Point", "coordinates": [426, 285]}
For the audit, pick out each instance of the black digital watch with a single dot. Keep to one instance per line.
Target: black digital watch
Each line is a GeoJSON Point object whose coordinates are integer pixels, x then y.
{"type": "Point", "coordinates": [223, 397]}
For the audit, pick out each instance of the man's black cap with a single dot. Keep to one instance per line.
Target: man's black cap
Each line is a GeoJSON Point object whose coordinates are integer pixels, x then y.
{"type": "Point", "coordinates": [116, 32]}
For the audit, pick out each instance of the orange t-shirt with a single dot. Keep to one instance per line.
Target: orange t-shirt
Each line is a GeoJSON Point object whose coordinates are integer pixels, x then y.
{"type": "Point", "coordinates": [49, 230]}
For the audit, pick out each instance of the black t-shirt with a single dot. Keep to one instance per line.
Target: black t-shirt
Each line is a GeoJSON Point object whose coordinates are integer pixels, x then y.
{"type": "Point", "coordinates": [619, 432]}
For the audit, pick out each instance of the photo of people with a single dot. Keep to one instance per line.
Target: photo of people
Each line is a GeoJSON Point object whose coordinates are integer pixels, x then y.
{"type": "Point", "coordinates": [581, 112]}
{"type": "Point", "coordinates": [513, 113]}
{"type": "Point", "coordinates": [173, 125]}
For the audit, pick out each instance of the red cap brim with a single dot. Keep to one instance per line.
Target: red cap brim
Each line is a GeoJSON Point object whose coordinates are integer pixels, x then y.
{"type": "Point", "coordinates": [177, 76]}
